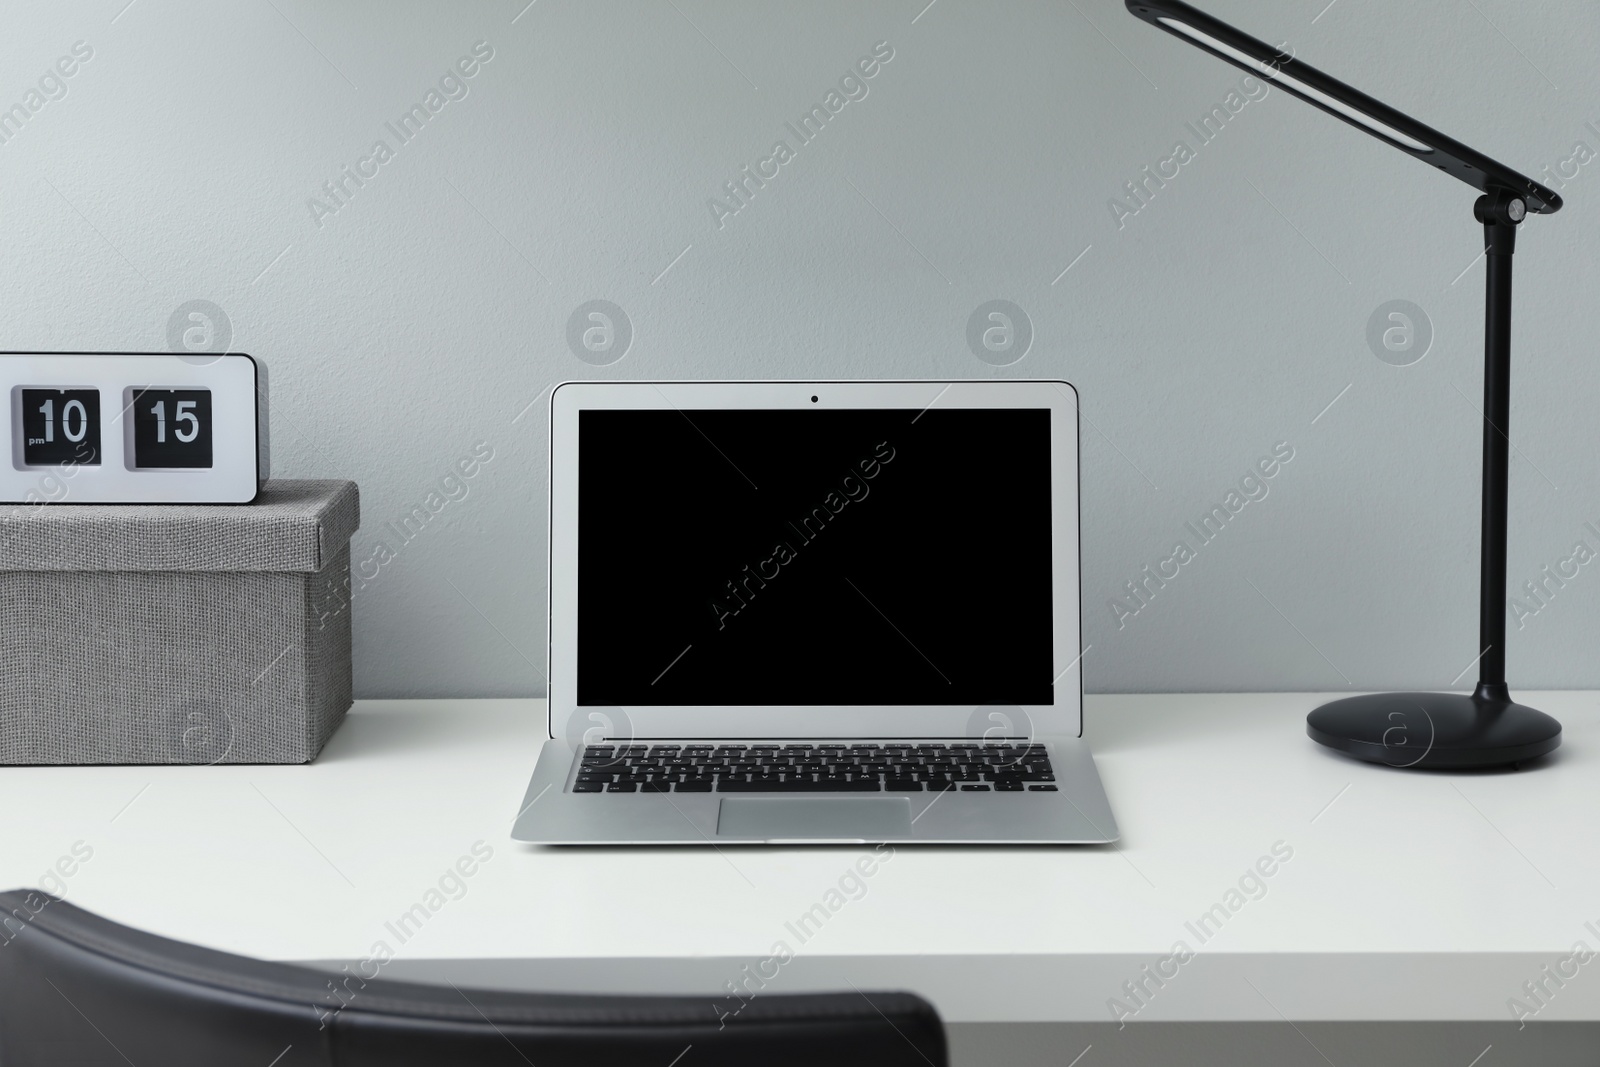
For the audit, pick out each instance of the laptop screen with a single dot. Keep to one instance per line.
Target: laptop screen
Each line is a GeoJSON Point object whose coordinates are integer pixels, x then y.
{"type": "Point", "coordinates": [829, 557]}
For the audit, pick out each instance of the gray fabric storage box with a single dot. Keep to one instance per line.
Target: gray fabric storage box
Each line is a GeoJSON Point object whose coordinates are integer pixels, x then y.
{"type": "Point", "coordinates": [193, 633]}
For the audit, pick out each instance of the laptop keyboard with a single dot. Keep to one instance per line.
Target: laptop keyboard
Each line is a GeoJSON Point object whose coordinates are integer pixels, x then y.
{"type": "Point", "coordinates": [822, 768]}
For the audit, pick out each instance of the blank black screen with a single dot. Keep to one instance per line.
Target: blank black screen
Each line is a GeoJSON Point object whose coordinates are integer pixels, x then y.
{"type": "Point", "coordinates": [814, 557]}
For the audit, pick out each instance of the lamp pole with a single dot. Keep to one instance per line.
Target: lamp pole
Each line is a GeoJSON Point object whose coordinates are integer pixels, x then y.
{"type": "Point", "coordinates": [1501, 213]}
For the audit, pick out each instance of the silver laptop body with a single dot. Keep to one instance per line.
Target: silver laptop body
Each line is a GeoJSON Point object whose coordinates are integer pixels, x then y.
{"type": "Point", "coordinates": [814, 612]}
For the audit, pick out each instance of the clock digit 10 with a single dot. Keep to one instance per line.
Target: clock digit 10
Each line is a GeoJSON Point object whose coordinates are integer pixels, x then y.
{"type": "Point", "coordinates": [60, 426]}
{"type": "Point", "coordinates": [171, 428]}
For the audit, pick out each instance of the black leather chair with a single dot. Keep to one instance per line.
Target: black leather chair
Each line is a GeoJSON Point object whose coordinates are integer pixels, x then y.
{"type": "Point", "coordinates": [81, 990]}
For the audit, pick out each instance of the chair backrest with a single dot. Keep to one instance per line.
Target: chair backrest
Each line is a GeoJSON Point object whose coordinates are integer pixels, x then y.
{"type": "Point", "coordinates": [79, 989]}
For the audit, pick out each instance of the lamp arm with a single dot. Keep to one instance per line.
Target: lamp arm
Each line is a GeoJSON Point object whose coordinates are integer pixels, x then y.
{"type": "Point", "coordinates": [1345, 102]}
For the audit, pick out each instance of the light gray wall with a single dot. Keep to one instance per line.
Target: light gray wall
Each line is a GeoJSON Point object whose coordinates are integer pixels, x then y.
{"type": "Point", "coordinates": [428, 312]}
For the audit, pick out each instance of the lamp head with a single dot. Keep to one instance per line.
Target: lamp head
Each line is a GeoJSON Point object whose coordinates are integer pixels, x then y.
{"type": "Point", "coordinates": [1190, 24]}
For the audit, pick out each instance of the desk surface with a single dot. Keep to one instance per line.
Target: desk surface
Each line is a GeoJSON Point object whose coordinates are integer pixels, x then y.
{"type": "Point", "coordinates": [1407, 895]}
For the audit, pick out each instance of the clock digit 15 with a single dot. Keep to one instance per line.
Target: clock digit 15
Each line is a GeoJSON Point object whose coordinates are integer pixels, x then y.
{"type": "Point", "coordinates": [171, 428]}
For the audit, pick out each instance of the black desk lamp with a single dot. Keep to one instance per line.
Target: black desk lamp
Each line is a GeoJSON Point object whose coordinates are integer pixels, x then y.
{"type": "Point", "coordinates": [1423, 729]}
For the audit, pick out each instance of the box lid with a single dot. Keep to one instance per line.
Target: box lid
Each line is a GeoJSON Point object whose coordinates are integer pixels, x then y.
{"type": "Point", "coordinates": [292, 526]}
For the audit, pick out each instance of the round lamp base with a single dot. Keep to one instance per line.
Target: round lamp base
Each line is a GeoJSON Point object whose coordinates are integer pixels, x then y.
{"type": "Point", "coordinates": [1433, 730]}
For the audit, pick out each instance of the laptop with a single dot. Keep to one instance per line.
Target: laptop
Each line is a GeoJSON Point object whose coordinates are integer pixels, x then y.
{"type": "Point", "coordinates": [814, 613]}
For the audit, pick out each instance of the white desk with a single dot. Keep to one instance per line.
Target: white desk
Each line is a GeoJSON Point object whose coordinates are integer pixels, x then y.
{"type": "Point", "coordinates": [1409, 896]}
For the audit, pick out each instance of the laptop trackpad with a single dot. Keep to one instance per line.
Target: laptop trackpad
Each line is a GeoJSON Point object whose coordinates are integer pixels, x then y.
{"type": "Point", "coordinates": [815, 818]}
